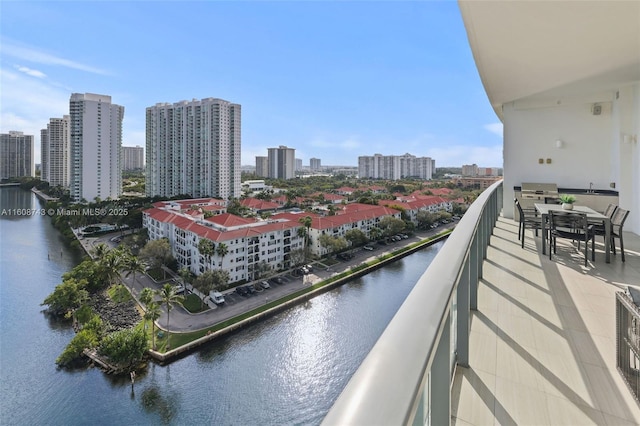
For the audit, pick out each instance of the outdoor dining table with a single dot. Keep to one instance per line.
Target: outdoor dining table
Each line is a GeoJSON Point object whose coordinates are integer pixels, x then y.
{"type": "Point", "coordinates": [592, 216]}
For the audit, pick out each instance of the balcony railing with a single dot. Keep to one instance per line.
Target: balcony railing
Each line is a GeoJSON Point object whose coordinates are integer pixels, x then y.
{"type": "Point", "coordinates": [406, 378]}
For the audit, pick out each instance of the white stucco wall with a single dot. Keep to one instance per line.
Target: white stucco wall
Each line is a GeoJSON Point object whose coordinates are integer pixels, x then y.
{"type": "Point", "coordinates": [593, 148]}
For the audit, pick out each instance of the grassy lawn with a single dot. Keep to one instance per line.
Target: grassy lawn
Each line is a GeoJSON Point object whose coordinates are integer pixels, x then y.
{"type": "Point", "coordinates": [156, 274]}
{"type": "Point", "coordinates": [118, 293]}
{"type": "Point", "coordinates": [193, 304]}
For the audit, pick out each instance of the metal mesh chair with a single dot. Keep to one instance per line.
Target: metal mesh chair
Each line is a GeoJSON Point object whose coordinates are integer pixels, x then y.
{"type": "Point", "coordinates": [618, 218]}
{"type": "Point", "coordinates": [528, 219]}
{"type": "Point", "coordinates": [572, 226]}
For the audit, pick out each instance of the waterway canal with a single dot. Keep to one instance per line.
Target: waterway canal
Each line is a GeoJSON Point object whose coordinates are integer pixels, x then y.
{"type": "Point", "coordinates": [287, 370]}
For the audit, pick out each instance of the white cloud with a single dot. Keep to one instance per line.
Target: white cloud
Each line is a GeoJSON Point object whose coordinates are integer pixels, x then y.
{"type": "Point", "coordinates": [458, 155]}
{"type": "Point", "coordinates": [29, 71]}
{"type": "Point", "coordinates": [34, 55]}
{"type": "Point", "coordinates": [27, 104]}
{"type": "Point", "coordinates": [495, 128]}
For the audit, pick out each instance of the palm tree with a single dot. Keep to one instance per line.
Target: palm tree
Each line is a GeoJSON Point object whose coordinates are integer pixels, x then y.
{"type": "Point", "coordinates": [100, 251]}
{"type": "Point", "coordinates": [146, 297]}
{"type": "Point", "coordinates": [206, 248]}
{"type": "Point", "coordinates": [133, 265]}
{"type": "Point", "coordinates": [222, 251]}
{"type": "Point", "coordinates": [111, 265]}
{"type": "Point", "coordinates": [168, 296]}
{"type": "Point", "coordinates": [152, 314]}
{"type": "Point", "coordinates": [306, 221]}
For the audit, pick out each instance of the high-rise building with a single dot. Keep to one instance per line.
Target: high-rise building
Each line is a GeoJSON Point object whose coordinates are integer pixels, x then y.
{"type": "Point", "coordinates": [96, 137]}
{"type": "Point", "coordinates": [282, 162]}
{"type": "Point", "coordinates": [314, 164]}
{"type": "Point", "coordinates": [55, 152]}
{"type": "Point", "coordinates": [16, 155]}
{"type": "Point", "coordinates": [194, 148]}
{"type": "Point", "coordinates": [262, 166]}
{"type": "Point", "coordinates": [395, 167]}
{"type": "Point", "coordinates": [470, 170]}
{"type": "Point", "coordinates": [298, 164]}
{"type": "Point", "coordinates": [132, 157]}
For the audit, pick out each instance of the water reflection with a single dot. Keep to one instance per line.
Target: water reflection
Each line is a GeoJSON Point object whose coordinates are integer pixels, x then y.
{"type": "Point", "coordinates": [160, 401]}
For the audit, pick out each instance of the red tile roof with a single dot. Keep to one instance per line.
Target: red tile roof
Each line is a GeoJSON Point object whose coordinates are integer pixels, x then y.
{"type": "Point", "coordinates": [256, 204]}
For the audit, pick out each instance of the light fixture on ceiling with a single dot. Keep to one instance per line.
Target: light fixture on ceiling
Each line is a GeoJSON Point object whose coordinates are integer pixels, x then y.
{"type": "Point", "coordinates": [559, 143]}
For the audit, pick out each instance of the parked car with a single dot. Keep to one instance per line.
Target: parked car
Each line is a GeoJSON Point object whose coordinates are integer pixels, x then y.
{"type": "Point", "coordinates": [368, 248]}
{"type": "Point", "coordinates": [309, 267]}
{"type": "Point", "coordinates": [216, 297]}
{"type": "Point", "coordinates": [305, 270]}
{"type": "Point", "coordinates": [404, 236]}
{"type": "Point", "coordinates": [242, 291]}
{"type": "Point", "coordinates": [179, 289]}
{"type": "Point", "coordinates": [250, 289]}
{"type": "Point", "coordinates": [345, 256]}
{"type": "Point", "coordinates": [264, 284]}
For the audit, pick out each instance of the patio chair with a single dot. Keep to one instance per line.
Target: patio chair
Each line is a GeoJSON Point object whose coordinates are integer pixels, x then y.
{"type": "Point", "coordinates": [617, 222]}
{"type": "Point", "coordinates": [598, 228]}
{"type": "Point", "coordinates": [528, 219]}
{"type": "Point", "coordinates": [573, 226]}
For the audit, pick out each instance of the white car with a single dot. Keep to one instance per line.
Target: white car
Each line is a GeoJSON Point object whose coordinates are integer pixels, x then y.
{"type": "Point", "coordinates": [217, 297]}
{"type": "Point", "coordinates": [264, 284]}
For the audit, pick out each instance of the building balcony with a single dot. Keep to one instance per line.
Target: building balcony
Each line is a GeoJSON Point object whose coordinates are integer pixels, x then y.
{"type": "Point", "coordinates": [543, 339]}
{"type": "Point", "coordinates": [498, 334]}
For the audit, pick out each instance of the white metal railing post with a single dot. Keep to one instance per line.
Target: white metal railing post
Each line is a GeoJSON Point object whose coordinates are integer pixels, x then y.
{"type": "Point", "coordinates": [474, 273]}
{"type": "Point", "coordinates": [464, 317]}
{"type": "Point", "coordinates": [440, 392]}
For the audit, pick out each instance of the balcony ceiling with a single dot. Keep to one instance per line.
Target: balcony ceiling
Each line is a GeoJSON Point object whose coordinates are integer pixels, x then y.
{"type": "Point", "coordinates": [528, 49]}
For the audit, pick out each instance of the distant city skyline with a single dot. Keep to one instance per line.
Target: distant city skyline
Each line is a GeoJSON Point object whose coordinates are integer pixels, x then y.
{"type": "Point", "coordinates": [334, 80]}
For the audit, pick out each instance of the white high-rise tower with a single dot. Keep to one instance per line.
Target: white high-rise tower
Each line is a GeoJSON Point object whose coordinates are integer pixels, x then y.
{"type": "Point", "coordinates": [56, 152]}
{"type": "Point", "coordinates": [96, 137]}
{"type": "Point", "coordinates": [194, 148]}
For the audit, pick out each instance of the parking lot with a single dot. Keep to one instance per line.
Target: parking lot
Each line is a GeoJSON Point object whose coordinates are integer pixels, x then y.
{"type": "Point", "coordinates": [280, 285]}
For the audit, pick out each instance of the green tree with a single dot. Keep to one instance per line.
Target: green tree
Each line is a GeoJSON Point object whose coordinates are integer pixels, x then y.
{"type": "Point", "coordinates": [111, 265]}
{"type": "Point", "coordinates": [375, 233]}
{"type": "Point", "coordinates": [306, 222]}
{"type": "Point", "coordinates": [356, 237]}
{"type": "Point", "coordinates": [82, 340]}
{"type": "Point", "coordinates": [133, 265]}
{"type": "Point", "coordinates": [146, 296]}
{"type": "Point", "coordinates": [331, 243]}
{"type": "Point", "coordinates": [205, 282]}
{"type": "Point", "coordinates": [222, 251]}
{"type": "Point", "coordinates": [157, 253]}
{"type": "Point", "coordinates": [100, 251]}
{"type": "Point", "coordinates": [126, 347]}
{"type": "Point", "coordinates": [207, 249]}
{"type": "Point", "coordinates": [425, 219]}
{"type": "Point", "coordinates": [67, 297]}
{"type": "Point", "coordinates": [391, 225]}
{"type": "Point", "coordinates": [168, 297]}
{"type": "Point", "coordinates": [152, 314]}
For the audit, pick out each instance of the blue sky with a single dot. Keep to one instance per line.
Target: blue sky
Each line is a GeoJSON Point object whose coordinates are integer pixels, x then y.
{"type": "Point", "coordinates": [334, 80]}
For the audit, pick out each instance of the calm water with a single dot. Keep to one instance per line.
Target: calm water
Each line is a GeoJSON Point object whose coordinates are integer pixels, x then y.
{"type": "Point", "coordinates": [286, 371]}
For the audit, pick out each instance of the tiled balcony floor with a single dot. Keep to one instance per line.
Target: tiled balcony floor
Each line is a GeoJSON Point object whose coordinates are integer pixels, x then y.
{"type": "Point", "coordinates": [542, 348]}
